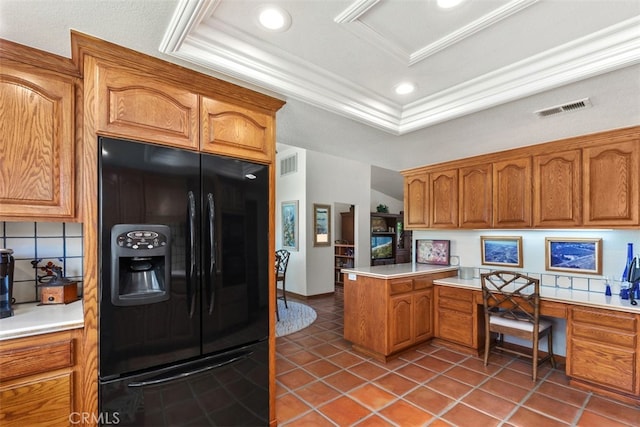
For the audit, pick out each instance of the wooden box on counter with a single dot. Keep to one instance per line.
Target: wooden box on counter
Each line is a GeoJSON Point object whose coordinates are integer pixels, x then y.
{"type": "Point", "coordinates": [59, 294]}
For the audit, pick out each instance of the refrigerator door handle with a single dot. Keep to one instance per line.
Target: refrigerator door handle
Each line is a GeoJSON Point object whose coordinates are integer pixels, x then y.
{"type": "Point", "coordinates": [212, 251]}
{"type": "Point", "coordinates": [191, 220]}
{"type": "Point", "coordinates": [180, 374]}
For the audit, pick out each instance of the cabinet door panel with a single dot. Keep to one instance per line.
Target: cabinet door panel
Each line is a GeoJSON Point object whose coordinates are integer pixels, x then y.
{"type": "Point", "coordinates": [443, 190]}
{"type": "Point", "coordinates": [231, 130]}
{"type": "Point", "coordinates": [37, 153]}
{"type": "Point", "coordinates": [28, 404]}
{"type": "Point", "coordinates": [512, 193]}
{"type": "Point", "coordinates": [415, 201]}
{"type": "Point", "coordinates": [557, 189]}
{"type": "Point", "coordinates": [455, 326]}
{"type": "Point", "coordinates": [423, 315]}
{"type": "Point", "coordinates": [475, 196]}
{"type": "Point", "coordinates": [400, 323]}
{"type": "Point", "coordinates": [612, 184]}
{"type": "Point", "coordinates": [602, 364]}
{"type": "Point", "coordinates": [141, 107]}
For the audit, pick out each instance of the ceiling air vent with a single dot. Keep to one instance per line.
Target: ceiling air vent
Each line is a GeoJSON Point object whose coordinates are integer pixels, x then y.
{"type": "Point", "coordinates": [289, 165]}
{"type": "Point", "coordinates": [571, 106]}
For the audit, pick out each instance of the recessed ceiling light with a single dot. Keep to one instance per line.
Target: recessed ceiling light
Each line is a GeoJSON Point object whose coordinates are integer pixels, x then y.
{"type": "Point", "coordinates": [405, 88]}
{"type": "Point", "coordinates": [448, 4]}
{"type": "Point", "coordinates": [274, 18]}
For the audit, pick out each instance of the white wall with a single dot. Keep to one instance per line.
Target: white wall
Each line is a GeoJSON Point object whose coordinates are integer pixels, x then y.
{"type": "Point", "coordinates": [466, 245]}
{"type": "Point", "coordinates": [332, 180]}
{"type": "Point", "coordinates": [288, 188]}
{"type": "Point", "coordinates": [394, 205]}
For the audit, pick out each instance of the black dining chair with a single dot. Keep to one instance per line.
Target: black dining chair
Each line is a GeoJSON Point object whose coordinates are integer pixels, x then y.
{"type": "Point", "coordinates": [282, 261]}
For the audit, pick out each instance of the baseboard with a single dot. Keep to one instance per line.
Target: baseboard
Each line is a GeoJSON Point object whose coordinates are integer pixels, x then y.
{"type": "Point", "coordinates": [306, 297]}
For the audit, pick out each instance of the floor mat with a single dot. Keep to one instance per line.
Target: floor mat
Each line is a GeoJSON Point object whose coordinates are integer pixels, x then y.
{"type": "Point", "coordinates": [297, 316]}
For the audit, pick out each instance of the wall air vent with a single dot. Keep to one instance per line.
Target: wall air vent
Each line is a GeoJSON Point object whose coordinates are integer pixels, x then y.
{"type": "Point", "coordinates": [570, 106]}
{"type": "Point", "coordinates": [289, 165]}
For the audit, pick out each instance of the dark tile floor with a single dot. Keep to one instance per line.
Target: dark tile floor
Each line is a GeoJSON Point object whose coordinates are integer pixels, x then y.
{"type": "Point", "coordinates": [321, 382]}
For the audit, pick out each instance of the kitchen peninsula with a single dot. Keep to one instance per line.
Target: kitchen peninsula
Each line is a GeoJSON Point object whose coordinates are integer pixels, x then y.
{"type": "Point", "coordinates": [390, 309]}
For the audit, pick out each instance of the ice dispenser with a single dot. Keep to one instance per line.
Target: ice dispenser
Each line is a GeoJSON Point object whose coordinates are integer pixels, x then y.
{"type": "Point", "coordinates": [140, 263]}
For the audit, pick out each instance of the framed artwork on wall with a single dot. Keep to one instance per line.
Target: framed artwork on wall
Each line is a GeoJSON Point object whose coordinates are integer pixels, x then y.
{"type": "Point", "coordinates": [321, 225]}
{"type": "Point", "coordinates": [290, 225]}
{"type": "Point", "coordinates": [504, 251]}
{"type": "Point", "coordinates": [573, 255]}
{"type": "Point", "coordinates": [432, 252]}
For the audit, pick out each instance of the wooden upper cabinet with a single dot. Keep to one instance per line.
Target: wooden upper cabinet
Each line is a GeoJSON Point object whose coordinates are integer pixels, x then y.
{"type": "Point", "coordinates": [443, 206]}
{"type": "Point", "coordinates": [229, 129]}
{"type": "Point", "coordinates": [416, 197]}
{"type": "Point", "coordinates": [586, 181]}
{"type": "Point", "coordinates": [475, 196]}
{"type": "Point", "coordinates": [512, 193]}
{"type": "Point", "coordinates": [557, 184]}
{"type": "Point", "coordinates": [37, 153]}
{"type": "Point", "coordinates": [611, 184]}
{"type": "Point", "coordinates": [142, 107]}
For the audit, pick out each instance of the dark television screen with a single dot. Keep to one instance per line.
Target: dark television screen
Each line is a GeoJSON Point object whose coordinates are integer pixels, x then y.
{"type": "Point", "coordinates": [381, 247]}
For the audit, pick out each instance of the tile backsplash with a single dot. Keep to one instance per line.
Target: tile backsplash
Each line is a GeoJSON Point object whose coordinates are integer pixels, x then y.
{"type": "Point", "coordinates": [44, 242]}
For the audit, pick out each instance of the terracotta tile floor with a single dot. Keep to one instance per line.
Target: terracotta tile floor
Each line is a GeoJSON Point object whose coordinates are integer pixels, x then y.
{"type": "Point", "coordinates": [321, 382]}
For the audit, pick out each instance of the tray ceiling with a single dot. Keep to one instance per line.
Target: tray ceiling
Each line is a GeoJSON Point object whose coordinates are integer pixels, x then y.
{"type": "Point", "coordinates": [487, 72]}
{"type": "Point", "coordinates": [347, 56]}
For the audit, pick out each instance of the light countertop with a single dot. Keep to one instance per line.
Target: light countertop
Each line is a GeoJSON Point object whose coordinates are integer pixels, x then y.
{"type": "Point", "coordinates": [393, 271]}
{"type": "Point", "coordinates": [33, 319]}
{"type": "Point", "coordinates": [563, 295]}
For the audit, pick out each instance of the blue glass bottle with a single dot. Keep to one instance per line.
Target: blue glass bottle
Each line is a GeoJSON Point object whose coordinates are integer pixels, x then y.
{"type": "Point", "coordinates": [628, 263]}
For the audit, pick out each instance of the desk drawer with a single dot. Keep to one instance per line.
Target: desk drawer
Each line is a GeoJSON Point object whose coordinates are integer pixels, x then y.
{"type": "Point", "coordinates": [604, 335]}
{"type": "Point", "coordinates": [610, 319]}
{"type": "Point", "coordinates": [455, 299]}
{"type": "Point", "coordinates": [553, 309]}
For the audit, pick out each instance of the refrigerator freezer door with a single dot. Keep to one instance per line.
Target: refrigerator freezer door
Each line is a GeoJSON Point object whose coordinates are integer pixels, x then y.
{"type": "Point", "coordinates": [235, 252]}
{"type": "Point", "coordinates": [230, 389]}
{"type": "Point", "coordinates": [146, 184]}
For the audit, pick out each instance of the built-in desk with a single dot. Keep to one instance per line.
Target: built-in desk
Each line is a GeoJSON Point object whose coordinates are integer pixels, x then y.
{"type": "Point", "coordinates": [602, 332]}
{"type": "Point", "coordinates": [549, 295]}
{"type": "Point", "coordinates": [393, 308]}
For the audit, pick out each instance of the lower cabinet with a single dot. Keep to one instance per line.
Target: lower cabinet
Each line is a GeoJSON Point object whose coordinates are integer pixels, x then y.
{"type": "Point", "coordinates": [384, 317]}
{"type": "Point", "coordinates": [602, 349]}
{"type": "Point", "coordinates": [410, 319]}
{"type": "Point", "coordinates": [39, 381]}
{"type": "Point", "coordinates": [458, 318]}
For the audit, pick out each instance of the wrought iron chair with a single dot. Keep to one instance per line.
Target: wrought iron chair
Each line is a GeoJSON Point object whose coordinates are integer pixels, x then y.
{"type": "Point", "coordinates": [282, 261]}
{"type": "Point", "coordinates": [512, 307]}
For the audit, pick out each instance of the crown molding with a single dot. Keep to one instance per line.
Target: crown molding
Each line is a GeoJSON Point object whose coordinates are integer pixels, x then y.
{"type": "Point", "coordinates": [350, 18]}
{"type": "Point", "coordinates": [607, 50]}
{"type": "Point", "coordinates": [224, 49]}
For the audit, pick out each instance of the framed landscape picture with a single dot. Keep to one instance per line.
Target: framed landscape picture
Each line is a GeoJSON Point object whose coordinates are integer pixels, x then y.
{"type": "Point", "coordinates": [432, 252]}
{"type": "Point", "coordinates": [573, 255]}
{"type": "Point", "coordinates": [290, 225]}
{"type": "Point", "coordinates": [505, 251]}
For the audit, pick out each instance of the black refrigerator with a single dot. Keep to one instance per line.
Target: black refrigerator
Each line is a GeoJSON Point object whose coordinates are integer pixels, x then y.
{"type": "Point", "coordinates": [184, 277]}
